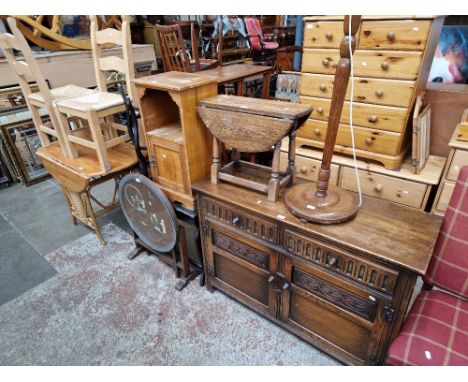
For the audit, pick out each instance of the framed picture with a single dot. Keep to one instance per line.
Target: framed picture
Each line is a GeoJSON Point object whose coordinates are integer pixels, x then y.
{"type": "Point", "coordinates": [450, 64]}
{"type": "Point", "coordinates": [21, 140]}
{"type": "Point", "coordinates": [11, 95]}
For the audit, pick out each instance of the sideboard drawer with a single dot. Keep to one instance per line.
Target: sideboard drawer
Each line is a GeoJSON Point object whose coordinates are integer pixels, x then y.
{"type": "Point", "coordinates": [385, 187]}
{"type": "Point", "coordinates": [395, 34]}
{"type": "Point", "coordinates": [323, 34]}
{"type": "Point", "coordinates": [370, 274]}
{"type": "Point", "coordinates": [460, 159]}
{"type": "Point", "coordinates": [374, 116]}
{"type": "Point", "coordinates": [367, 63]}
{"type": "Point", "coordinates": [366, 90]}
{"type": "Point", "coordinates": [445, 195]}
{"type": "Point", "coordinates": [307, 168]}
{"type": "Point", "coordinates": [378, 141]}
{"type": "Point", "coordinates": [240, 220]}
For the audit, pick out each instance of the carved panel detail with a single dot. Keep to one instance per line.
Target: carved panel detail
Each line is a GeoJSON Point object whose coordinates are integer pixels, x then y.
{"type": "Point", "coordinates": [241, 250]}
{"type": "Point", "coordinates": [353, 267]}
{"type": "Point", "coordinates": [240, 220]}
{"type": "Point", "coordinates": [335, 295]}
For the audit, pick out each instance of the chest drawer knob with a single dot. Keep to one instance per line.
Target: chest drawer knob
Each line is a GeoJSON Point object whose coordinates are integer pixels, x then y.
{"type": "Point", "coordinates": [378, 188]}
{"type": "Point", "coordinates": [368, 141]}
{"type": "Point", "coordinates": [329, 35]}
{"type": "Point", "coordinates": [384, 65]}
{"type": "Point", "coordinates": [323, 87]}
{"type": "Point", "coordinates": [390, 36]}
{"type": "Point", "coordinates": [285, 286]}
{"type": "Point", "coordinates": [320, 110]}
{"type": "Point", "coordinates": [372, 119]}
{"type": "Point", "coordinates": [304, 170]}
{"type": "Point", "coordinates": [317, 132]}
{"type": "Point", "coordinates": [331, 261]}
{"type": "Point", "coordinates": [325, 62]}
{"type": "Point", "coordinates": [271, 279]}
{"type": "Point", "coordinates": [379, 93]}
{"type": "Point", "coordinates": [236, 220]}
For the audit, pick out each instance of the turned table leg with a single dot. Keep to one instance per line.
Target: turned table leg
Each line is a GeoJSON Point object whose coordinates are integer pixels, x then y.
{"type": "Point", "coordinates": [273, 187]}
{"type": "Point", "coordinates": [215, 166]}
{"type": "Point", "coordinates": [292, 157]}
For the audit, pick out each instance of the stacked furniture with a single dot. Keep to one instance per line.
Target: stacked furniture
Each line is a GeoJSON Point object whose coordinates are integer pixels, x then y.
{"type": "Point", "coordinates": [458, 158]}
{"type": "Point", "coordinates": [391, 64]}
{"type": "Point", "coordinates": [402, 186]}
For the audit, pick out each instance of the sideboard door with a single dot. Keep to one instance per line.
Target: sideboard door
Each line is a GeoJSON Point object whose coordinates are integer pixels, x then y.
{"type": "Point", "coordinates": [336, 314]}
{"type": "Point", "coordinates": [242, 268]}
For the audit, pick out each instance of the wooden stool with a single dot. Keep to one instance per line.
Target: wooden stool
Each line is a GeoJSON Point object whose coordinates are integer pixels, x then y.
{"type": "Point", "coordinates": [252, 125]}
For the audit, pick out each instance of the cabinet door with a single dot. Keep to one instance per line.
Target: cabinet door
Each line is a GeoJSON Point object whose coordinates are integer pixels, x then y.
{"type": "Point", "coordinates": [336, 315]}
{"type": "Point", "coordinates": [241, 268]}
{"type": "Point", "coordinates": [168, 166]}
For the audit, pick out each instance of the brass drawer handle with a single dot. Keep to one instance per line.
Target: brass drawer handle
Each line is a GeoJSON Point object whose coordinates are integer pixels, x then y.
{"type": "Point", "coordinates": [331, 261]}
{"type": "Point", "coordinates": [379, 93]}
{"type": "Point", "coordinates": [317, 132]}
{"type": "Point", "coordinates": [303, 170]}
{"type": "Point", "coordinates": [323, 87]}
{"type": "Point", "coordinates": [378, 188]}
{"type": "Point", "coordinates": [384, 65]}
{"type": "Point", "coordinates": [320, 110]}
{"type": "Point", "coordinates": [368, 141]}
{"type": "Point", "coordinates": [372, 119]}
{"type": "Point", "coordinates": [328, 35]}
{"type": "Point", "coordinates": [390, 36]}
{"type": "Point", "coordinates": [325, 62]}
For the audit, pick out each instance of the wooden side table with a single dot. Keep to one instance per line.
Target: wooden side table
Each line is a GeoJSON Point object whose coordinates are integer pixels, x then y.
{"type": "Point", "coordinates": [179, 145]}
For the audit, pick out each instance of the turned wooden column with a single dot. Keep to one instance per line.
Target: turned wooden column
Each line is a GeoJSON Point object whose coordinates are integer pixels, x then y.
{"type": "Point", "coordinates": [338, 96]}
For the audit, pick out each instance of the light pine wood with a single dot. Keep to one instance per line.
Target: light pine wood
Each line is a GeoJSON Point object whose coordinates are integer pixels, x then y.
{"type": "Point", "coordinates": [307, 168]}
{"type": "Point", "coordinates": [391, 65]}
{"type": "Point", "coordinates": [367, 63]}
{"type": "Point", "coordinates": [28, 70]}
{"type": "Point", "coordinates": [460, 159]}
{"type": "Point", "coordinates": [379, 141]}
{"type": "Point", "coordinates": [394, 34]}
{"type": "Point", "coordinates": [179, 144]}
{"type": "Point", "coordinates": [366, 90]}
{"type": "Point", "coordinates": [323, 34]}
{"type": "Point", "coordinates": [381, 186]}
{"type": "Point", "coordinates": [443, 199]}
{"type": "Point", "coordinates": [368, 115]}
{"type": "Point", "coordinates": [421, 134]}
{"type": "Point", "coordinates": [431, 174]}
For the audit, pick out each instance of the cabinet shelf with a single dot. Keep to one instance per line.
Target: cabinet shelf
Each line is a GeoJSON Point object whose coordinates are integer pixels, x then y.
{"type": "Point", "coordinates": [171, 132]}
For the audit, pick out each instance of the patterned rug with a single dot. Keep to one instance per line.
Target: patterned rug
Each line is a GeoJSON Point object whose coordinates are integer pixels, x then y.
{"type": "Point", "coordinates": [103, 309]}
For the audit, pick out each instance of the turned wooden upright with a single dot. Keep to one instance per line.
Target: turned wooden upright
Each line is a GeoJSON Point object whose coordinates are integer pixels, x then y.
{"type": "Point", "coordinates": [329, 205]}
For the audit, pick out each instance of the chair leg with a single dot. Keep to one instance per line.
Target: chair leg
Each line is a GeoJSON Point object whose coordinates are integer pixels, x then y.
{"type": "Point", "coordinates": [98, 139]}
{"type": "Point", "coordinates": [37, 120]}
{"type": "Point", "coordinates": [68, 147]}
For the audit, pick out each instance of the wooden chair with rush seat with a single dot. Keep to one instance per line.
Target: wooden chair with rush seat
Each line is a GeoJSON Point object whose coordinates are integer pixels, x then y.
{"type": "Point", "coordinates": [434, 333]}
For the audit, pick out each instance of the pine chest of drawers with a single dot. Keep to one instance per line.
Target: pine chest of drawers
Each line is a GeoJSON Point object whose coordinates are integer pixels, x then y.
{"type": "Point", "coordinates": [343, 288]}
{"type": "Point", "coordinates": [391, 65]}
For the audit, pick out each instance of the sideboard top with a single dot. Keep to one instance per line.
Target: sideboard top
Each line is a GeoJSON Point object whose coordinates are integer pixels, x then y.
{"type": "Point", "coordinates": [384, 230]}
{"type": "Point", "coordinates": [372, 17]}
{"type": "Point", "coordinates": [172, 81]}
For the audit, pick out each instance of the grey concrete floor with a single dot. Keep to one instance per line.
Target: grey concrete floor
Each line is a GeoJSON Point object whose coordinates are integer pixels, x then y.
{"type": "Point", "coordinates": [35, 221]}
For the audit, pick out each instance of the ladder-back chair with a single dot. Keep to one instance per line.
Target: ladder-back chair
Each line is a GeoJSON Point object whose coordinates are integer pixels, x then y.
{"type": "Point", "coordinates": [99, 108]}
{"type": "Point", "coordinates": [28, 70]}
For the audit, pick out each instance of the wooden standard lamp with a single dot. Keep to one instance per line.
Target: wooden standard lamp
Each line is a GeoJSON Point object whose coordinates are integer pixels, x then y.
{"type": "Point", "coordinates": [329, 204]}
